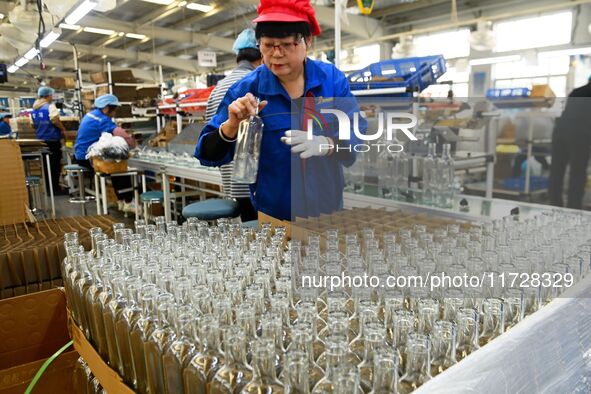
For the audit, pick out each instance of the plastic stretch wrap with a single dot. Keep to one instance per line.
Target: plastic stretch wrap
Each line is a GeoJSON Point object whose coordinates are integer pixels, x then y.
{"type": "Point", "coordinates": [109, 148]}
{"type": "Point", "coordinates": [548, 352]}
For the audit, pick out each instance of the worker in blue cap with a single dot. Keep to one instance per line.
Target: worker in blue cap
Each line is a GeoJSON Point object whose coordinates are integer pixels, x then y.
{"type": "Point", "coordinates": [5, 129]}
{"type": "Point", "coordinates": [49, 128]}
{"type": "Point", "coordinates": [93, 124]}
{"type": "Point", "coordinates": [571, 147]}
{"type": "Point", "coordinates": [248, 58]}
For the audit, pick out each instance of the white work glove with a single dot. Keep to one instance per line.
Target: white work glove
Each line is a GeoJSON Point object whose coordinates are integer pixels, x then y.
{"type": "Point", "coordinates": [299, 142]}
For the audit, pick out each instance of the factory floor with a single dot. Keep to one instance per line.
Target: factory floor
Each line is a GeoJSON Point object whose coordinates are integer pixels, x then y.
{"type": "Point", "coordinates": [63, 208]}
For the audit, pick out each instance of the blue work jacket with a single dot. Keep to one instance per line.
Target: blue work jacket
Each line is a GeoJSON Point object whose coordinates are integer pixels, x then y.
{"type": "Point", "coordinates": [93, 124]}
{"type": "Point", "coordinates": [287, 186]}
{"type": "Point", "coordinates": [44, 129]}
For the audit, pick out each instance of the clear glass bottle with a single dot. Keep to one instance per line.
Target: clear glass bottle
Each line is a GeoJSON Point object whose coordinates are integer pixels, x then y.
{"type": "Point", "coordinates": [402, 174]}
{"type": "Point", "coordinates": [446, 178]}
{"type": "Point", "coordinates": [100, 273]}
{"type": "Point", "coordinates": [235, 373]}
{"type": "Point", "coordinates": [123, 326]}
{"type": "Point", "coordinates": [493, 320]}
{"type": "Point", "coordinates": [430, 175]}
{"type": "Point", "coordinates": [264, 379]}
{"type": "Point", "coordinates": [374, 339]}
{"type": "Point", "coordinates": [204, 365]}
{"type": "Point", "coordinates": [386, 175]}
{"type": "Point", "coordinates": [336, 354]}
{"type": "Point", "coordinates": [111, 312]}
{"type": "Point", "coordinates": [158, 343]}
{"type": "Point", "coordinates": [140, 333]}
{"type": "Point", "coordinates": [467, 320]}
{"type": "Point", "coordinates": [443, 345]}
{"type": "Point", "coordinates": [296, 378]}
{"type": "Point", "coordinates": [248, 149]}
{"type": "Point", "coordinates": [418, 363]}
{"type": "Point", "coordinates": [181, 350]}
{"type": "Point", "coordinates": [302, 341]}
{"type": "Point", "coordinates": [385, 372]}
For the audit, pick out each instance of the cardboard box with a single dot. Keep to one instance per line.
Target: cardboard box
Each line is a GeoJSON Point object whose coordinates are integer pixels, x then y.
{"type": "Point", "coordinates": [123, 93]}
{"type": "Point", "coordinates": [148, 93]}
{"type": "Point", "coordinates": [13, 193]}
{"type": "Point", "coordinates": [108, 378]}
{"type": "Point", "coordinates": [125, 76]}
{"type": "Point", "coordinates": [34, 327]}
{"type": "Point", "coordinates": [31, 253]}
{"type": "Point", "coordinates": [60, 83]}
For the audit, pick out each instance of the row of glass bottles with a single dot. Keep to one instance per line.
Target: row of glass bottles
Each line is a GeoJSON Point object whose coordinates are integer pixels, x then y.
{"type": "Point", "coordinates": [397, 181]}
{"type": "Point", "coordinates": [195, 308]}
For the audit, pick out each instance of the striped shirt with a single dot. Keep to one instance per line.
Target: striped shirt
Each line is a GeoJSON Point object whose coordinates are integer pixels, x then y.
{"type": "Point", "coordinates": [231, 189]}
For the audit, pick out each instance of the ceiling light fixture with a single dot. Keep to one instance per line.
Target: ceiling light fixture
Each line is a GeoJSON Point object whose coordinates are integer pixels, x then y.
{"type": "Point", "coordinates": [199, 7]}
{"type": "Point", "coordinates": [493, 60]}
{"type": "Point", "coordinates": [69, 27]}
{"type": "Point", "coordinates": [2, 16]}
{"type": "Point", "coordinates": [182, 3]}
{"type": "Point", "coordinates": [21, 62]}
{"type": "Point", "coordinates": [49, 38]}
{"type": "Point", "coordinates": [566, 52]}
{"type": "Point", "coordinates": [161, 2]}
{"type": "Point", "coordinates": [136, 36]}
{"type": "Point", "coordinates": [95, 30]}
{"type": "Point", "coordinates": [12, 69]}
{"type": "Point", "coordinates": [80, 12]}
{"type": "Point", "coordinates": [30, 55]}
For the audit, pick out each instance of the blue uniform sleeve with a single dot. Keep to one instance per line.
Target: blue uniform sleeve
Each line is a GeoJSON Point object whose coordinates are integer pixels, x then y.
{"type": "Point", "coordinates": [107, 126]}
{"type": "Point", "coordinates": [209, 137]}
{"type": "Point", "coordinates": [348, 104]}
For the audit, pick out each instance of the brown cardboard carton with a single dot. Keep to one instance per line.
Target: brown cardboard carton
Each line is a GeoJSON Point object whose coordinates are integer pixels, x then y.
{"type": "Point", "coordinates": [125, 76]}
{"type": "Point", "coordinates": [60, 83]}
{"type": "Point", "coordinates": [34, 327]}
{"type": "Point", "coordinates": [13, 193]}
{"type": "Point", "coordinates": [123, 93]}
{"type": "Point", "coordinates": [149, 93]}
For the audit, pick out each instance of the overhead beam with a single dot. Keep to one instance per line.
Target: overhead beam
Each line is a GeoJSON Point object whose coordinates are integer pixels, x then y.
{"type": "Point", "coordinates": [146, 75]}
{"type": "Point", "coordinates": [203, 40]}
{"type": "Point", "coordinates": [167, 61]}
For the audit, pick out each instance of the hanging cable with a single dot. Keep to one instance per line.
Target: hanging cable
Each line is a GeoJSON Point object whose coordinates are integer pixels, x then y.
{"type": "Point", "coordinates": [41, 30]}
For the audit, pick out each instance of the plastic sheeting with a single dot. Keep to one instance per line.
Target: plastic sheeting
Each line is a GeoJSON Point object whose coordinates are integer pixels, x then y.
{"type": "Point", "coordinates": [547, 352]}
{"type": "Point", "coordinates": [109, 147]}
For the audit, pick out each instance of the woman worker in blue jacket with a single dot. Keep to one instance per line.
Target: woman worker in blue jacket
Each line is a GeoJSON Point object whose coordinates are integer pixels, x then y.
{"type": "Point", "coordinates": [310, 181]}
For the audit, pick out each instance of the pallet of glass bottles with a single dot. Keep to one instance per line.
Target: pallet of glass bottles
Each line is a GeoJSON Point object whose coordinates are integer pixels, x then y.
{"type": "Point", "coordinates": [381, 221]}
{"type": "Point", "coordinates": [101, 372]}
{"type": "Point", "coordinates": [31, 253]}
{"type": "Point", "coordinates": [34, 328]}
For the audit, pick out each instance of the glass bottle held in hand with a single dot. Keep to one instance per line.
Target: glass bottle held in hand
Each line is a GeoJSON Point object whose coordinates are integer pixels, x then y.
{"type": "Point", "coordinates": [248, 149]}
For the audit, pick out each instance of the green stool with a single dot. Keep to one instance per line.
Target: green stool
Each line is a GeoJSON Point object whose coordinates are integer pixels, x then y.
{"type": "Point", "coordinates": [212, 209]}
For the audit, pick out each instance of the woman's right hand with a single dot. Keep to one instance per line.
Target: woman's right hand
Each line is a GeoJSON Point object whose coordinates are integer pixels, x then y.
{"type": "Point", "coordinates": [240, 109]}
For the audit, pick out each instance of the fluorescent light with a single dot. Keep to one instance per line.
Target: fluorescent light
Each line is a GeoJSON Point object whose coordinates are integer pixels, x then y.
{"type": "Point", "coordinates": [80, 12]}
{"type": "Point", "coordinates": [120, 34]}
{"type": "Point", "coordinates": [2, 16]}
{"type": "Point", "coordinates": [30, 55]}
{"type": "Point", "coordinates": [69, 27]}
{"type": "Point", "coordinates": [49, 39]}
{"type": "Point", "coordinates": [105, 32]}
{"type": "Point", "coordinates": [136, 36]}
{"type": "Point", "coordinates": [182, 3]}
{"type": "Point", "coordinates": [493, 60]}
{"type": "Point", "coordinates": [566, 52]}
{"type": "Point", "coordinates": [163, 2]}
{"type": "Point", "coordinates": [21, 62]}
{"type": "Point", "coordinates": [12, 69]}
{"type": "Point", "coordinates": [199, 7]}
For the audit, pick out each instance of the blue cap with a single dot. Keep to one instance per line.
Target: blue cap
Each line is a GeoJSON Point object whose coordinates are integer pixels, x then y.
{"type": "Point", "coordinates": [246, 39]}
{"type": "Point", "coordinates": [45, 91]}
{"type": "Point", "coordinates": [106, 99]}
{"type": "Point", "coordinates": [4, 115]}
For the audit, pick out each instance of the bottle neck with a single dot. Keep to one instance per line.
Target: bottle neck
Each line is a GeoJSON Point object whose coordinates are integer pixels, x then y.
{"type": "Point", "coordinates": [432, 150]}
{"type": "Point", "coordinates": [385, 379]}
{"type": "Point", "coordinates": [298, 376]}
{"type": "Point", "coordinates": [446, 152]}
{"type": "Point", "coordinates": [263, 361]}
{"type": "Point", "coordinates": [235, 350]}
{"type": "Point", "coordinates": [373, 340]}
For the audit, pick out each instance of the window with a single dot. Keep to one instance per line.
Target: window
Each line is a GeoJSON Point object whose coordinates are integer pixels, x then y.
{"type": "Point", "coordinates": [536, 32]}
{"type": "Point", "coordinates": [450, 44]}
{"type": "Point", "coordinates": [551, 71]}
{"type": "Point", "coordinates": [460, 84]}
{"type": "Point", "coordinates": [362, 57]}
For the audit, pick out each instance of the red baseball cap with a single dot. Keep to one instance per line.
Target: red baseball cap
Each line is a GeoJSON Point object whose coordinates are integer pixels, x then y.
{"type": "Point", "coordinates": [288, 11]}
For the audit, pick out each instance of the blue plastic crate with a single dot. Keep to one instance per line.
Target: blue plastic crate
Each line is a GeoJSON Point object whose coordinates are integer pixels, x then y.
{"type": "Point", "coordinates": [413, 74]}
{"type": "Point", "coordinates": [535, 183]}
